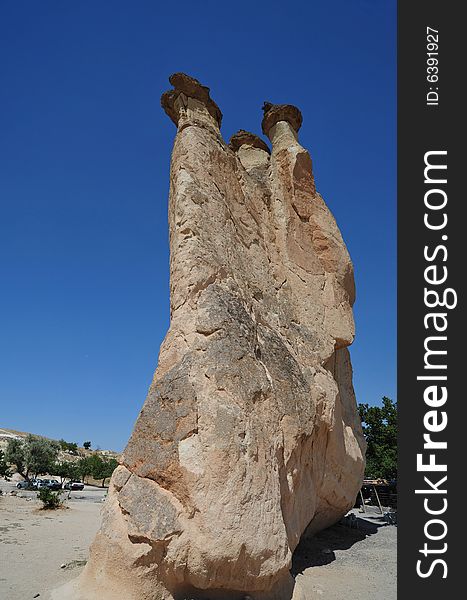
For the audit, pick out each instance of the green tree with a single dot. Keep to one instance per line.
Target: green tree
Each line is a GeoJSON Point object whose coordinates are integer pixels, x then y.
{"type": "Point", "coordinates": [84, 468]}
{"type": "Point", "coordinates": [4, 470]}
{"type": "Point", "coordinates": [15, 455]}
{"type": "Point", "coordinates": [103, 468]}
{"type": "Point", "coordinates": [66, 470]}
{"type": "Point", "coordinates": [87, 445]}
{"type": "Point", "coordinates": [40, 454]}
{"type": "Point", "coordinates": [34, 455]}
{"type": "Point", "coordinates": [95, 464]}
{"type": "Point", "coordinates": [379, 425]}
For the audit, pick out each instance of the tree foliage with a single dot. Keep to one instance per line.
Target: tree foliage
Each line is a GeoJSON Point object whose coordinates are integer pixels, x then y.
{"type": "Point", "coordinates": [87, 445]}
{"type": "Point", "coordinates": [71, 447]}
{"type": "Point", "coordinates": [34, 455]}
{"type": "Point", "coordinates": [379, 425]}
{"type": "Point", "coordinates": [14, 454]}
{"type": "Point", "coordinates": [104, 469]}
{"type": "Point", "coordinates": [4, 470]}
{"type": "Point", "coordinates": [96, 466]}
{"type": "Point", "coordinates": [66, 470]}
{"type": "Point", "coordinates": [40, 454]}
{"type": "Point", "coordinates": [84, 468]}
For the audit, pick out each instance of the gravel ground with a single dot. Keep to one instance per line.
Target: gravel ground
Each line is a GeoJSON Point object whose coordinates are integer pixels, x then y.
{"type": "Point", "coordinates": [340, 563]}
{"type": "Point", "coordinates": [343, 563]}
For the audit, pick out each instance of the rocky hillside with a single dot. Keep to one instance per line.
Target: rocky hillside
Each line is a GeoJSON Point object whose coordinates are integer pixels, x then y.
{"type": "Point", "coordinates": [7, 434]}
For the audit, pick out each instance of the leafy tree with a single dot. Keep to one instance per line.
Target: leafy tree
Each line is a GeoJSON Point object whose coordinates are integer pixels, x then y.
{"type": "Point", "coordinates": [15, 455]}
{"type": "Point", "coordinates": [379, 425]}
{"type": "Point", "coordinates": [97, 467]}
{"type": "Point", "coordinates": [66, 470]}
{"type": "Point", "coordinates": [73, 472]}
{"type": "Point", "coordinates": [84, 468]}
{"type": "Point", "coordinates": [60, 469]}
{"type": "Point", "coordinates": [112, 464]}
{"type": "Point", "coordinates": [103, 468]}
{"type": "Point", "coordinates": [87, 445]}
{"type": "Point", "coordinates": [34, 455]}
{"type": "Point", "coordinates": [40, 454]}
{"type": "Point", "coordinates": [4, 470]}
{"type": "Point", "coordinates": [95, 464]}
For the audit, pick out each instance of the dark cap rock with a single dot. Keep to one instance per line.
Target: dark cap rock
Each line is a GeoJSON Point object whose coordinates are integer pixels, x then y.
{"type": "Point", "coordinates": [273, 113]}
{"type": "Point", "coordinates": [245, 137]}
{"type": "Point", "coordinates": [191, 87]}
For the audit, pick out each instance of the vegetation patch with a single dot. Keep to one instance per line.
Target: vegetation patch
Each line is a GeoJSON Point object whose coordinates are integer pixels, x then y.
{"type": "Point", "coordinates": [50, 500]}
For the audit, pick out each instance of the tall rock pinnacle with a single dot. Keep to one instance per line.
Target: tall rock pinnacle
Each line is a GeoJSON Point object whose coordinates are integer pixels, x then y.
{"type": "Point", "coordinates": [249, 437]}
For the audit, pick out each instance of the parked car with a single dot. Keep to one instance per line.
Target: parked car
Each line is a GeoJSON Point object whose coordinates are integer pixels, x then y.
{"type": "Point", "coordinates": [30, 484]}
{"type": "Point", "coordinates": [24, 485]}
{"type": "Point", "coordinates": [51, 484]}
{"type": "Point", "coordinates": [73, 485]}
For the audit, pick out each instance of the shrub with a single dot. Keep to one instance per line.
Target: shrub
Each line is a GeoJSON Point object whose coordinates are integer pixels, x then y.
{"type": "Point", "coordinates": [50, 500]}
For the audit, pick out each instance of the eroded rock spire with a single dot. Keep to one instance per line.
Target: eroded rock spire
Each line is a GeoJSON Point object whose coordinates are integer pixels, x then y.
{"type": "Point", "coordinates": [249, 436]}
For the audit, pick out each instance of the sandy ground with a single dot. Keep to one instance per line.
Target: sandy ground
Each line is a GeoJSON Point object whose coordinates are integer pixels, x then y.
{"type": "Point", "coordinates": [341, 563]}
{"type": "Point", "coordinates": [35, 543]}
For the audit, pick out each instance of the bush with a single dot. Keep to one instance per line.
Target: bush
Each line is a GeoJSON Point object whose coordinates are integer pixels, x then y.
{"type": "Point", "coordinates": [50, 500]}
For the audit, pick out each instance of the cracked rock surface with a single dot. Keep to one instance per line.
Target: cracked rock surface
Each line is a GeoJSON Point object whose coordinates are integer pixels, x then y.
{"type": "Point", "coordinates": [249, 437]}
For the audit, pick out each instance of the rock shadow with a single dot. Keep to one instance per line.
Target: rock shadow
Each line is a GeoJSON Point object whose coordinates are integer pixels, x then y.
{"type": "Point", "coordinates": [319, 550]}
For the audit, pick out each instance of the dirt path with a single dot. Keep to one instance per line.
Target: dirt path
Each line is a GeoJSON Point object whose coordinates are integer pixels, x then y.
{"type": "Point", "coordinates": [35, 543]}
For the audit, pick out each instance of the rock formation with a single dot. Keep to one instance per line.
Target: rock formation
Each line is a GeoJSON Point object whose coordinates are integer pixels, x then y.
{"type": "Point", "coordinates": [249, 435]}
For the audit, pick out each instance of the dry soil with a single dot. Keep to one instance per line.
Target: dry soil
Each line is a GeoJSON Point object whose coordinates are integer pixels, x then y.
{"type": "Point", "coordinates": [341, 563]}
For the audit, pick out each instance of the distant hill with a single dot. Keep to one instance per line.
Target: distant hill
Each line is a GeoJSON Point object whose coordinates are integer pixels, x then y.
{"type": "Point", "coordinates": [8, 434]}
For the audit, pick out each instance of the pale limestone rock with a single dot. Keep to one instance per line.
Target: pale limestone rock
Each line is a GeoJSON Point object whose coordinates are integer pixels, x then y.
{"type": "Point", "coordinates": [249, 435]}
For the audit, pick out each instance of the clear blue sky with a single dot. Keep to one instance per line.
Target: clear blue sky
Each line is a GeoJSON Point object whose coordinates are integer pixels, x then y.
{"type": "Point", "coordinates": [84, 175]}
